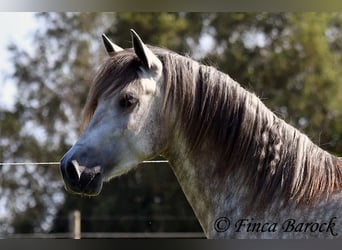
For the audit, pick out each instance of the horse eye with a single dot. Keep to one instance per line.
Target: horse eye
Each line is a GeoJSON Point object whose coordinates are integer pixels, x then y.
{"type": "Point", "coordinates": [127, 101]}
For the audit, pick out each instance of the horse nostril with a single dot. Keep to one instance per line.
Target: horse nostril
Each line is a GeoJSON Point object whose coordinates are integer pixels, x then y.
{"type": "Point", "coordinates": [73, 171]}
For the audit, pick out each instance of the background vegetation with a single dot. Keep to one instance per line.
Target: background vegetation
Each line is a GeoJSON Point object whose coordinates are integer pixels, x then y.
{"type": "Point", "coordinates": [293, 61]}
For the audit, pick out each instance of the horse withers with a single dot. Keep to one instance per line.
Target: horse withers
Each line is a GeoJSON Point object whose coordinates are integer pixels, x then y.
{"type": "Point", "coordinates": [245, 172]}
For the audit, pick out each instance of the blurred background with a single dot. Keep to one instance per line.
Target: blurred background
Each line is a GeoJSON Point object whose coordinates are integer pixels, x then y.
{"type": "Point", "coordinates": [292, 61]}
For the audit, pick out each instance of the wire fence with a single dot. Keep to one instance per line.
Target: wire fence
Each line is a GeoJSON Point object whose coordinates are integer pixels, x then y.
{"type": "Point", "coordinates": [109, 235]}
{"type": "Point", "coordinates": [57, 163]}
{"type": "Point", "coordinates": [74, 222]}
{"type": "Point", "coordinates": [28, 163]}
{"type": "Point", "coordinates": [75, 229]}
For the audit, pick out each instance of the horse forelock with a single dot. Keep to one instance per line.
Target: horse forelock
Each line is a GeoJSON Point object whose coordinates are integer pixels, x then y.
{"type": "Point", "coordinates": [116, 73]}
{"type": "Point", "coordinates": [274, 158]}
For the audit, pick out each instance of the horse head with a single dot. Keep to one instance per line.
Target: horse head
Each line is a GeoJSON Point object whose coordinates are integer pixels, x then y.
{"type": "Point", "coordinates": [122, 123]}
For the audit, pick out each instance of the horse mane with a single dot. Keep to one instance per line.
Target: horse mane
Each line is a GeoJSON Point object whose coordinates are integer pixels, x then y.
{"type": "Point", "coordinates": [274, 158]}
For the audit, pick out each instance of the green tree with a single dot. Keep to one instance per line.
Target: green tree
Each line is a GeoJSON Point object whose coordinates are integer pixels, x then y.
{"type": "Point", "coordinates": [291, 60]}
{"type": "Point", "coordinates": [44, 122]}
{"type": "Point", "coordinates": [53, 80]}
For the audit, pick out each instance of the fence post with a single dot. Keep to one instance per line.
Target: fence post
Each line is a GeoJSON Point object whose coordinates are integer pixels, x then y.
{"type": "Point", "coordinates": [75, 224]}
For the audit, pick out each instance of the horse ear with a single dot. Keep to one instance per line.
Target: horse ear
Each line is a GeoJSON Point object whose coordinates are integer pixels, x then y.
{"type": "Point", "coordinates": [149, 59]}
{"type": "Point", "coordinates": [110, 46]}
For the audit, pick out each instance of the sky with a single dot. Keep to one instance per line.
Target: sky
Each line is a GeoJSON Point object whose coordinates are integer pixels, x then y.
{"type": "Point", "coordinates": [16, 27]}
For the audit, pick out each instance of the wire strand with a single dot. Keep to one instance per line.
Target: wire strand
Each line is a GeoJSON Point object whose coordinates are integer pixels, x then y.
{"type": "Point", "coordinates": [57, 163]}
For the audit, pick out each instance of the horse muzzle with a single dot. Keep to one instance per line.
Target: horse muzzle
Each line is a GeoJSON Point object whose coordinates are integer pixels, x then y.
{"type": "Point", "coordinates": [79, 179]}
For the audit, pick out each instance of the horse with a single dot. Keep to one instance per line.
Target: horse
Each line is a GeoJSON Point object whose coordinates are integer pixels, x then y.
{"type": "Point", "coordinates": [245, 172]}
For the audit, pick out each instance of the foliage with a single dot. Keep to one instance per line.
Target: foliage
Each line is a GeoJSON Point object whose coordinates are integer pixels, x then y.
{"type": "Point", "coordinates": [291, 60]}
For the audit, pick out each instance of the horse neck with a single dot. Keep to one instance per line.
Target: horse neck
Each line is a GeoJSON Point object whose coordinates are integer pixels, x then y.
{"type": "Point", "coordinates": [192, 174]}
{"type": "Point", "coordinates": [266, 158]}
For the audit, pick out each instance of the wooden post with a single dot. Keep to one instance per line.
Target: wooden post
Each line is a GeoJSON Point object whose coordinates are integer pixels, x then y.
{"type": "Point", "coordinates": [75, 224]}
